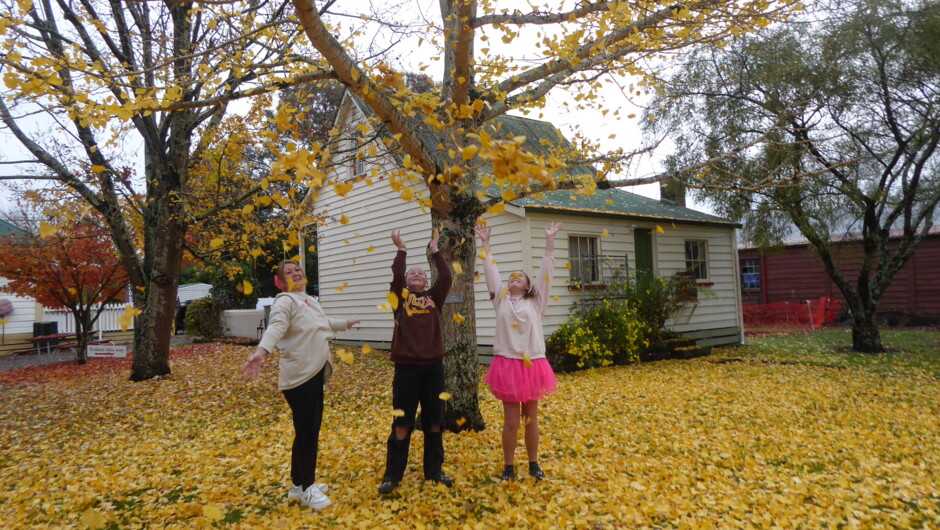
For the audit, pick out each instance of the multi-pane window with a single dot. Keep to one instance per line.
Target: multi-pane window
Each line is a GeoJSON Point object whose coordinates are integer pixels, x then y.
{"type": "Point", "coordinates": [582, 253]}
{"type": "Point", "coordinates": [358, 153]}
{"type": "Point", "coordinates": [696, 259]}
{"type": "Point", "coordinates": [750, 274]}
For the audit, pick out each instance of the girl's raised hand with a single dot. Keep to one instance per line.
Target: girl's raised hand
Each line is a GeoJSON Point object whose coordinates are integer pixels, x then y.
{"type": "Point", "coordinates": [396, 239]}
{"type": "Point", "coordinates": [553, 229]}
{"type": "Point", "coordinates": [484, 232]}
{"type": "Point", "coordinates": [434, 240]}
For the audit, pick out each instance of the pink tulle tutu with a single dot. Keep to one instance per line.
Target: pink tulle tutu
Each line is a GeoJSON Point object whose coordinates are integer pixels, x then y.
{"type": "Point", "coordinates": [514, 382]}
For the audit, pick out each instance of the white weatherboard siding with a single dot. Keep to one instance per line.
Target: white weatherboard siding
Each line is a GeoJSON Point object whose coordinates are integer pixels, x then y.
{"type": "Point", "coordinates": [345, 258]}
{"type": "Point", "coordinates": [716, 306]}
{"type": "Point", "coordinates": [25, 312]}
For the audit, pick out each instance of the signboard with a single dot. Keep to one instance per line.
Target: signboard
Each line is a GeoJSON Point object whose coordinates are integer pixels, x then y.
{"type": "Point", "coordinates": [454, 298]}
{"type": "Point", "coordinates": [107, 351]}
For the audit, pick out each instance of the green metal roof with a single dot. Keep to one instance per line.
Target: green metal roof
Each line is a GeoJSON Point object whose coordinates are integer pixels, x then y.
{"type": "Point", "coordinates": [603, 203]}
{"type": "Point", "coordinates": [502, 127]}
{"type": "Point", "coordinates": [7, 229]}
{"type": "Point", "coordinates": [616, 203]}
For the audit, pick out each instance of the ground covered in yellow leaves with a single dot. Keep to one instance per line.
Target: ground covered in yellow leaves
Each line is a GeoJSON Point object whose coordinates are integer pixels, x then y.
{"type": "Point", "coordinates": [696, 443]}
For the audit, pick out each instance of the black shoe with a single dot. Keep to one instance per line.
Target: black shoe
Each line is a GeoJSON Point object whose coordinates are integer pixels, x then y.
{"type": "Point", "coordinates": [536, 471]}
{"type": "Point", "coordinates": [441, 478]}
{"type": "Point", "coordinates": [509, 473]}
{"type": "Point", "coordinates": [387, 487]}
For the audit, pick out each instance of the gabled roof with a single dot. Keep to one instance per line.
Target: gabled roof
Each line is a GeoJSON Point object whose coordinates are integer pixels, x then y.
{"type": "Point", "coordinates": [610, 203]}
{"type": "Point", "coordinates": [616, 203]}
{"type": "Point", "coordinates": [502, 127]}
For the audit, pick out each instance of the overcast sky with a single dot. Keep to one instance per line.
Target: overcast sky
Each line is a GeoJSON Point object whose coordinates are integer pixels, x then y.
{"type": "Point", "coordinates": [611, 133]}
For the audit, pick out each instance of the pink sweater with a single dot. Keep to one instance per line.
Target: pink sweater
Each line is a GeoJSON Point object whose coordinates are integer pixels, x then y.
{"type": "Point", "coordinates": [519, 321]}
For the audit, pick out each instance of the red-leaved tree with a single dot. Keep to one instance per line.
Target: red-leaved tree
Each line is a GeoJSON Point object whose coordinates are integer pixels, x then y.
{"type": "Point", "coordinates": [75, 268]}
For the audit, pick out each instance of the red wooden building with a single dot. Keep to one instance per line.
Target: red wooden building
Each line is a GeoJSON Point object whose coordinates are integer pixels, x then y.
{"type": "Point", "coordinates": [795, 274]}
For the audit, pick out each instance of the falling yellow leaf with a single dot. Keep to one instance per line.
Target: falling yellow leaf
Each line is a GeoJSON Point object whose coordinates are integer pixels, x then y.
{"type": "Point", "coordinates": [343, 219]}
{"type": "Point", "coordinates": [605, 233]}
{"type": "Point", "coordinates": [568, 265]}
{"type": "Point", "coordinates": [482, 254]}
{"type": "Point", "coordinates": [526, 361]}
{"type": "Point", "coordinates": [398, 413]}
{"type": "Point", "coordinates": [96, 169]}
{"type": "Point", "coordinates": [385, 308]}
{"type": "Point", "coordinates": [460, 421]}
{"type": "Point", "coordinates": [342, 188]}
{"type": "Point", "coordinates": [73, 291]}
{"type": "Point", "coordinates": [497, 208]}
{"type": "Point", "coordinates": [46, 229]}
{"type": "Point", "coordinates": [392, 299]}
{"type": "Point", "coordinates": [458, 268]}
{"type": "Point", "coordinates": [458, 318]}
{"type": "Point", "coordinates": [404, 293]}
{"type": "Point", "coordinates": [444, 396]}
{"type": "Point", "coordinates": [556, 298]}
{"type": "Point", "coordinates": [216, 243]}
{"type": "Point", "coordinates": [126, 319]}
{"type": "Point", "coordinates": [247, 287]}
{"type": "Point", "coordinates": [345, 356]}
{"type": "Point", "coordinates": [370, 249]}
{"type": "Point", "coordinates": [660, 229]}
{"type": "Point", "coordinates": [366, 348]}
{"type": "Point", "coordinates": [341, 287]}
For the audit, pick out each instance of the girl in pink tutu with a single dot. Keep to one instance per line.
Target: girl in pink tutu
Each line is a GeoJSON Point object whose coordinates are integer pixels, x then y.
{"type": "Point", "coordinates": [520, 375]}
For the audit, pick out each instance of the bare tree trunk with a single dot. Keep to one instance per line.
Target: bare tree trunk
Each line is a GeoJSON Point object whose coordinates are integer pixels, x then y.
{"type": "Point", "coordinates": [461, 364]}
{"type": "Point", "coordinates": [866, 337]}
{"type": "Point", "coordinates": [164, 239]}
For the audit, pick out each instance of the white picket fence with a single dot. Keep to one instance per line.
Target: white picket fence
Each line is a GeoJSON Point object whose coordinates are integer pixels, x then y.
{"type": "Point", "coordinates": [107, 321]}
{"type": "Point", "coordinates": [236, 323]}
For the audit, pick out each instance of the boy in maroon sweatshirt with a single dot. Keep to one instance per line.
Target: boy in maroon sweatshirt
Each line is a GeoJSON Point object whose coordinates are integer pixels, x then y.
{"type": "Point", "coordinates": [418, 354]}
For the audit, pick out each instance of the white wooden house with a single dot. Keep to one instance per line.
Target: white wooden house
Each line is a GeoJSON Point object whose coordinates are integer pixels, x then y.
{"type": "Point", "coordinates": [19, 313]}
{"type": "Point", "coordinates": [611, 228]}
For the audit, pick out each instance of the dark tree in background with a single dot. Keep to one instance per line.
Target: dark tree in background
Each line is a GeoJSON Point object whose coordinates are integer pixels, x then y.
{"type": "Point", "coordinates": [833, 120]}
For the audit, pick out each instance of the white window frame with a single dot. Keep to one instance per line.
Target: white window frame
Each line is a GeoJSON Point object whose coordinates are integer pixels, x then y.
{"type": "Point", "coordinates": [357, 147]}
{"type": "Point", "coordinates": [696, 258]}
{"type": "Point", "coordinates": [575, 257]}
{"type": "Point", "coordinates": [751, 266]}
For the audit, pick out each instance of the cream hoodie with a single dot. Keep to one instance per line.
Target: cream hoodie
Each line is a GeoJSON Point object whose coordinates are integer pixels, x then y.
{"type": "Point", "coordinates": [519, 322]}
{"type": "Point", "coordinates": [302, 331]}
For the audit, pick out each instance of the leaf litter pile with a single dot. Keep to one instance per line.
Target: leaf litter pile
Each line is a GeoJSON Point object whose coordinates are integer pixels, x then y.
{"type": "Point", "coordinates": [666, 444]}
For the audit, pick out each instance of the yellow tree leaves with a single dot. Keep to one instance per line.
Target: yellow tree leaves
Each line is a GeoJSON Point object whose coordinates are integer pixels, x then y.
{"type": "Point", "coordinates": [626, 447]}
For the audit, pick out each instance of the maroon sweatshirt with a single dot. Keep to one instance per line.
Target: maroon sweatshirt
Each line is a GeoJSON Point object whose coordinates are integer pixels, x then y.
{"type": "Point", "coordinates": [418, 338]}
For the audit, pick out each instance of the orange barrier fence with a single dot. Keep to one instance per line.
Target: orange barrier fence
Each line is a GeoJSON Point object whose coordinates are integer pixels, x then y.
{"type": "Point", "coordinates": [812, 313]}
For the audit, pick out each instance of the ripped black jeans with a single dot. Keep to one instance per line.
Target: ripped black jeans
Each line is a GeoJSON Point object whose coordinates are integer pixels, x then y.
{"type": "Point", "coordinates": [414, 385]}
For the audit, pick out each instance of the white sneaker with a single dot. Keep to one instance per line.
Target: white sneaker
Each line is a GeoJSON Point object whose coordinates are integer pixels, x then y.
{"type": "Point", "coordinates": [314, 498]}
{"type": "Point", "coordinates": [296, 491]}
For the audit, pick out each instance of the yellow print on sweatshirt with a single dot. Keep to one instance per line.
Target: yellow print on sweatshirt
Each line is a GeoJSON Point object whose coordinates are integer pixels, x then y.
{"type": "Point", "coordinates": [418, 306]}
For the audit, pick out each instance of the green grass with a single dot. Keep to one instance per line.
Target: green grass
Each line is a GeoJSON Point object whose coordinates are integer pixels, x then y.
{"type": "Point", "coordinates": [909, 351]}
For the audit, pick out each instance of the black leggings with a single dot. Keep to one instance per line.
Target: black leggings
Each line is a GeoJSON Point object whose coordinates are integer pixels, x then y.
{"type": "Point", "coordinates": [306, 405]}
